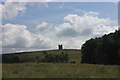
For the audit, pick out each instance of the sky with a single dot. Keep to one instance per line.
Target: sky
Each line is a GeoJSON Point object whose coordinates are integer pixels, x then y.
{"type": "Point", "coordinates": [30, 26]}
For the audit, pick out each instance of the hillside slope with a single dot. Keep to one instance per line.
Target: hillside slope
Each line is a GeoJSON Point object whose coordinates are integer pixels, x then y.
{"type": "Point", "coordinates": [73, 55]}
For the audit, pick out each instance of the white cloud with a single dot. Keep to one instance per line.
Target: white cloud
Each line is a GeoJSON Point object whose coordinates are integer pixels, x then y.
{"type": "Point", "coordinates": [17, 36]}
{"type": "Point", "coordinates": [91, 13]}
{"type": "Point", "coordinates": [11, 8]}
{"type": "Point", "coordinates": [14, 35]}
{"type": "Point", "coordinates": [42, 27]}
{"type": "Point", "coordinates": [86, 25]}
{"type": "Point", "coordinates": [87, 13]}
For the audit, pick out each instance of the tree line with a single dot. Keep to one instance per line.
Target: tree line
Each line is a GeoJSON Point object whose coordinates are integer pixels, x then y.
{"type": "Point", "coordinates": [103, 50]}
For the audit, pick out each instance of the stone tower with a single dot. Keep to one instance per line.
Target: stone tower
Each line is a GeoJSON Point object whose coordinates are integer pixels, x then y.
{"type": "Point", "coordinates": [60, 46]}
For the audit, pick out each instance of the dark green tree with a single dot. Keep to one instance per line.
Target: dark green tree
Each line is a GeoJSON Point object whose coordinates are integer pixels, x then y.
{"type": "Point", "coordinates": [103, 50]}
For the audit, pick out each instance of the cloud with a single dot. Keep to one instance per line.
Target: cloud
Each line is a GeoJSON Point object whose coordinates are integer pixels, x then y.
{"type": "Point", "coordinates": [42, 27]}
{"type": "Point", "coordinates": [87, 13]}
{"type": "Point", "coordinates": [14, 35]}
{"type": "Point", "coordinates": [86, 25]}
{"type": "Point", "coordinates": [66, 29]}
{"type": "Point", "coordinates": [17, 36]}
{"type": "Point", "coordinates": [91, 13]}
{"type": "Point", "coordinates": [12, 8]}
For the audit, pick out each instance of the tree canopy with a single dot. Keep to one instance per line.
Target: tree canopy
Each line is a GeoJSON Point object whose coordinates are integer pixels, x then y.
{"type": "Point", "coordinates": [103, 50]}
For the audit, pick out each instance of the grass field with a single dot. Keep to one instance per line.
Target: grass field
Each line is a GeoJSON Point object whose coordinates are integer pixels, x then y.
{"type": "Point", "coordinates": [57, 70]}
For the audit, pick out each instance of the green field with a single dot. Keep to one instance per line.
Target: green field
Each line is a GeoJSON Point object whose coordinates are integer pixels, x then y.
{"type": "Point", "coordinates": [57, 70]}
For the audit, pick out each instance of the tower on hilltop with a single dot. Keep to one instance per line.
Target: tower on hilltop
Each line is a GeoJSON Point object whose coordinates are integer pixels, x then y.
{"type": "Point", "coordinates": [60, 46]}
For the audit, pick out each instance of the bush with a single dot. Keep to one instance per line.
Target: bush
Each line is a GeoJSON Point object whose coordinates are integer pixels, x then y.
{"type": "Point", "coordinates": [72, 62]}
{"type": "Point", "coordinates": [61, 58]}
{"type": "Point", "coordinates": [12, 59]}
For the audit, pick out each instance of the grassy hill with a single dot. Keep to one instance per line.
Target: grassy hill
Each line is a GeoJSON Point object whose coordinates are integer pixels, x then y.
{"type": "Point", "coordinates": [32, 69]}
{"type": "Point", "coordinates": [74, 55]}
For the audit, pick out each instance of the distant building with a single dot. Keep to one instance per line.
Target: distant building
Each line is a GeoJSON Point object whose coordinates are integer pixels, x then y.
{"type": "Point", "coordinates": [60, 46]}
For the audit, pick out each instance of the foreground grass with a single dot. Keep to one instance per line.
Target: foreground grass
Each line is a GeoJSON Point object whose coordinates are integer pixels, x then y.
{"type": "Point", "coordinates": [59, 70]}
